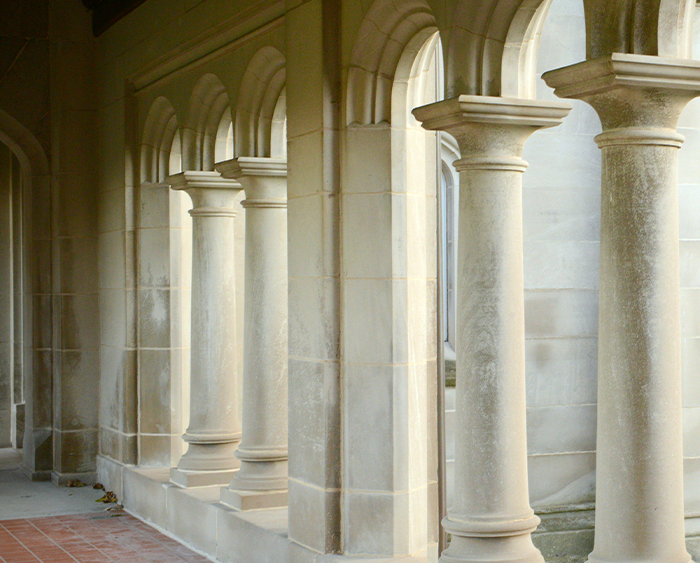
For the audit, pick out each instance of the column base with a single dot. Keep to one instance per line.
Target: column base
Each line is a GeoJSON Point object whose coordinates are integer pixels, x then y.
{"type": "Point", "coordinates": [253, 500]}
{"type": "Point", "coordinates": [62, 479]}
{"type": "Point", "coordinates": [187, 478]}
{"type": "Point", "coordinates": [492, 541]}
{"type": "Point", "coordinates": [513, 549]}
{"type": "Point", "coordinates": [44, 475]}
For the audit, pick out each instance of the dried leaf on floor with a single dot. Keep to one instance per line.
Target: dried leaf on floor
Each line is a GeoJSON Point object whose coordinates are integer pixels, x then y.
{"type": "Point", "coordinates": [75, 483]}
{"type": "Point", "coordinates": [108, 497]}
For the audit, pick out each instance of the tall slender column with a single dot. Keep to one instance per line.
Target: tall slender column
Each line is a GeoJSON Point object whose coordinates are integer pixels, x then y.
{"type": "Point", "coordinates": [490, 517]}
{"type": "Point", "coordinates": [214, 430]}
{"type": "Point", "coordinates": [639, 483]}
{"type": "Point", "coordinates": [261, 481]}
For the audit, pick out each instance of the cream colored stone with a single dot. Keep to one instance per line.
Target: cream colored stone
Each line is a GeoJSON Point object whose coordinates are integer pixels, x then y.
{"type": "Point", "coordinates": [639, 390]}
{"type": "Point", "coordinates": [214, 429]}
{"type": "Point", "coordinates": [261, 481]}
{"type": "Point", "coordinates": [490, 514]}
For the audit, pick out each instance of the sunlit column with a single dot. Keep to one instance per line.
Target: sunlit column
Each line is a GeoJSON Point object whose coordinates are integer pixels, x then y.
{"type": "Point", "coordinates": [639, 481]}
{"type": "Point", "coordinates": [214, 431]}
{"type": "Point", "coordinates": [490, 518]}
{"type": "Point", "coordinates": [262, 480]}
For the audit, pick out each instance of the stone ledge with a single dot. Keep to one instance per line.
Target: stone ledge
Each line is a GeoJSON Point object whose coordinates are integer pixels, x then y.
{"type": "Point", "coordinates": [196, 518]}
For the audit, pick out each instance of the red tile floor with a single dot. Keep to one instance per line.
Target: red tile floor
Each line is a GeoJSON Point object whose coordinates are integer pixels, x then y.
{"type": "Point", "coordinates": [89, 538]}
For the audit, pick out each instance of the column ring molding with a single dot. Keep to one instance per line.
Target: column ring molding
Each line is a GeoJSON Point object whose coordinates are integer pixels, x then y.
{"type": "Point", "coordinates": [626, 136]}
{"type": "Point", "coordinates": [213, 212]}
{"type": "Point", "coordinates": [503, 163]}
{"type": "Point", "coordinates": [213, 438]}
{"type": "Point", "coordinates": [262, 454]}
{"type": "Point", "coordinates": [264, 203]}
{"type": "Point", "coordinates": [491, 528]}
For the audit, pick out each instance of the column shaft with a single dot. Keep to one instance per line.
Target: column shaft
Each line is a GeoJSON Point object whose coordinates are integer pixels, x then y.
{"type": "Point", "coordinates": [214, 430]}
{"type": "Point", "coordinates": [491, 516]}
{"type": "Point", "coordinates": [261, 481]}
{"type": "Point", "coordinates": [639, 476]}
{"type": "Point", "coordinates": [640, 442]}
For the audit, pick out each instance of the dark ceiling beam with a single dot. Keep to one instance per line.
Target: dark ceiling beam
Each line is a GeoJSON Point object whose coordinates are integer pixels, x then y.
{"type": "Point", "coordinates": [106, 13]}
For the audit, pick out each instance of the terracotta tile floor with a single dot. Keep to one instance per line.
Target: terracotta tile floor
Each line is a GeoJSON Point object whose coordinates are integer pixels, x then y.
{"type": "Point", "coordinates": [88, 538]}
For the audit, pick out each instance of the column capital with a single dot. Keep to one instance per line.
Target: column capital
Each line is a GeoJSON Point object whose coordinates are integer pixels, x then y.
{"type": "Point", "coordinates": [630, 90]}
{"type": "Point", "coordinates": [211, 193]}
{"type": "Point", "coordinates": [485, 125]}
{"type": "Point", "coordinates": [243, 166]}
{"type": "Point", "coordinates": [263, 178]}
{"type": "Point", "coordinates": [201, 179]}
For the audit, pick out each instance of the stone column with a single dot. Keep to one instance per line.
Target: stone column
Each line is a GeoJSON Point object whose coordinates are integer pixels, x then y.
{"type": "Point", "coordinates": [261, 481]}
{"type": "Point", "coordinates": [639, 483]}
{"type": "Point", "coordinates": [214, 431]}
{"type": "Point", "coordinates": [490, 517]}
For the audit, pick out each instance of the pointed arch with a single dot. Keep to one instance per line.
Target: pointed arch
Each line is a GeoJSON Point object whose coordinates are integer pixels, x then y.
{"type": "Point", "coordinates": [209, 106]}
{"type": "Point", "coordinates": [259, 95]}
{"type": "Point", "coordinates": [160, 134]}
{"type": "Point", "coordinates": [386, 31]}
{"type": "Point", "coordinates": [492, 47]}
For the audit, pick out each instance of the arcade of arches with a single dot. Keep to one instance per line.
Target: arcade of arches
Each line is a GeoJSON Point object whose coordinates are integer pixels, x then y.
{"type": "Point", "coordinates": [248, 248]}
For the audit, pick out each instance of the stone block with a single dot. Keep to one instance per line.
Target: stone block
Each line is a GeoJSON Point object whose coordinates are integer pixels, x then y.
{"type": "Point", "coordinates": [192, 516]}
{"type": "Point", "coordinates": [195, 479]}
{"type": "Point", "coordinates": [314, 517]}
{"type": "Point", "coordinates": [155, 257]}
{"type": "Point", "coordinates": [312, 223]}
{"type": "Point", "coordinates": [313, 318]}
{"type": "Point", "coordinates": [549, 474]}
{"type": "Point", "coordinates": [155, 391]}
{"type": "Point", "coordinates": [76, 390]}
{"type": "Point", "coordinates": [561, 371]}
{"type": "Point", "coordinates": [561, 265]}
{"type": "Point", "coordinates": [374, 234]}
{"type": "Point", "coordinates": [79, 321]}
{"type": "Point", "coordinates": [109, 474]}
{"type": "Point", "coordinates": [75, 451]}
{"type": "Point", "coordinates": [314, 422]}
{"type": "Point", "coordinates": [373, 423]}
{"type": "Point", "coordinates": [374, 313]}
{"type": "Point", "coordinates": [253, 500]}
{"type": "Point", "coordinates": [112, 260]}
{"type": "Point", "coordinates": [145, 493]}
{"type": "Point", "coordinates": [369, 162]}
{"type": "Point", "coordinates": [154, 318]}
{"type": "Point", "coordinates": [111, 215]}
{"type": "Point", "coordinates": [241, 535]}
{"type": "Point", "coordinates": [554, 313]}
{"type": "Point", "coordinates": [559, 429]}
{"type": "Point", "coordinates": [690, 360]}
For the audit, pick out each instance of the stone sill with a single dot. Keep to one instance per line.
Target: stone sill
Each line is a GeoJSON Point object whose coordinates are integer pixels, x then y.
{"type": "Point", "coordinates": [197, 519]}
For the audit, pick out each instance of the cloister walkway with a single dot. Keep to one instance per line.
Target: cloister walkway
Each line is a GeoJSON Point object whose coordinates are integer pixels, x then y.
{"type": "Point", "coordinates": [40, 522]}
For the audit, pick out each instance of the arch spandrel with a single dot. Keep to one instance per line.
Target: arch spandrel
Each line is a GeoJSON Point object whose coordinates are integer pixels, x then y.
{"type": "Point", "coordinates": [387, 29]}
{"type": "Point", "coordinates": [159, 130]}
{"type": "Point", "coordinates": [491, 47]}
{"type": "Point", "coordinates": [640, 27]}
{"type": "Point", "coordinates": [262, 85]}
{"type": "Point", "coordinates": [208, 105]}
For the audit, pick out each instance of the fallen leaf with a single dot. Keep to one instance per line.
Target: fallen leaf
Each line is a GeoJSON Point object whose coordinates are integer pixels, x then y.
{"type": "Point", "coordinates": [108, 497]}
{"type": "Point", "coordinates": [75, 483]}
